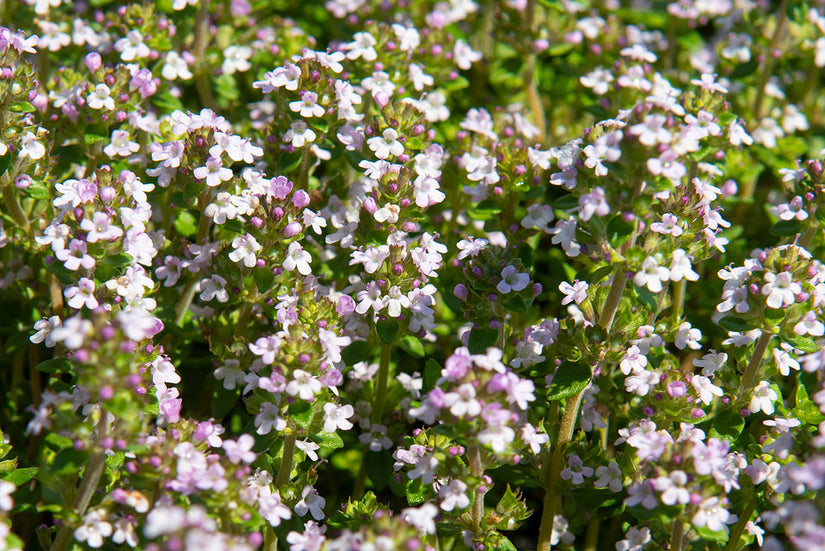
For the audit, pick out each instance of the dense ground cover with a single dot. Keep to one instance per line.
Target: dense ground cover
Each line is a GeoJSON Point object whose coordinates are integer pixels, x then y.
{"type": "Point", "coordinates": [412, 275]}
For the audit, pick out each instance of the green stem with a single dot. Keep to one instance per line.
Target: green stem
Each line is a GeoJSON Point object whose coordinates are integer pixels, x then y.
{"type": "Point", "coordinates": [477, 468]}
{"type": "Point", "coordinates": [381, 384]}
{"type": "Point", "coordinates": [591, 539]}
{"type": "Point", "coordinates": [551, 497]}
{"type": "Point", "coordinates": [679, 298]}
{"type": "Point", "coordinates": [677, 536]}
{"type": "Point", "coordinates": [739, 527]}
{"type": "Point", "coordinates": [202, 84]}
{"type": "Point", "coordinates": [770, 60]}
{"type": "Point", "coordinates": [91, 479]}
{"type": "Point", "coordinates": [360, 481]}
{"type": "Point", "coordinates": [185, 300]}
{"type": "Point", "coordinates": [270, 539]}
{"type": "Point", "coordinates": [614, 297]}
{"type": "Point", "coordinates": [753, 365]}
{"type": "Point", "coordinates": [807, 236]}
{"type": "Point", "coordinates": [14, 208]}
{"type": "Point", "coordinates": [286, 460]}
{"type": "Point", "coordinates": [529, 76]}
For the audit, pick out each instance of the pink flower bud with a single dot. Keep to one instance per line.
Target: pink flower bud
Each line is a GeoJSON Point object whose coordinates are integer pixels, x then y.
{"type": "Point", "coordinates": [300, 199]}
{"type": "Point", "coordinates": [93, 61]}
{"type": "Point", "coordinates": [292, 229]}
{"type": "Point", "coordinates": [381, 99]}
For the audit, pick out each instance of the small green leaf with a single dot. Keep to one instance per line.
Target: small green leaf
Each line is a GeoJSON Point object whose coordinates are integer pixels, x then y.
{"type": "Point", "coordinates": [69, 460]}
{"type": "Point", "coordinates": [412, 345]}
{"type": "Point", "coordinates": [117, 260]}
{"type": "Point", "coordinates": [432, 372]}
{"type": "Point", "coordinates": [387, 330]}
{"type": "Point", "coordinates": [22, 107]}
{"type": "Point", "coordinates": [301, 412]}
{"type": "Point", "coordinates": [774, 316]}
{"type": "Point", "coordinates": [705, 533]}
{"type": "Point", "coordinates": [786, 228]}
{"type": "Point", "coordinates": [329, 441]}
{"type": "Point", "coordinates": [732, 323]}
{"type": "Point", "coordinates": [805, 344]}
{"type": "Point", "coordinates": [186, 224]}
{"type": "Point", "coordinates": [21, 476]}
{"type": "Point", "coordinates": [223, 401]}
{"type": "Point", "coordinates": [415, 492]}
{"type": "Point", "coordinates": [728, 423]}
{"type": "Point", "coordinates": [516, 303]}
{"type": "Point", "coordinates": [379, 468]}
{"type": "Point", "coordinates": [482, 339]}
{"type": "Point", "coordinates": [56, 365]}
{"type": "Point", "coordinates": [570, 379]}
{"type": "Point", "coordinates": [234, 226]}
{"type": "Point", "coordinates": [91, 139]}
{"type": "Point", "coordinates": [357, 352]}
{"type": "Point", "coordinates": [566, 202]}
{"type": "Point", "coordinates": [264, 278]}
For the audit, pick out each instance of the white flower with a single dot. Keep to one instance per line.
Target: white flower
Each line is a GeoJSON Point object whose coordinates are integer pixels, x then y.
{"type": "Point", "coordinates": [386, 144]}
{"type": "Point", "coordinates": [763, 398]}
{"type": "Point", "coordinates": [512, 280]}
{"type": "Point", "coordinates": [268, 418]}
{"type": "Point", "coordinates": [175, 66]}
{"type": "Point", "coordinates": [82, 295]}
{"type": "Point", "coordinates": [30, 147]}
{"type": "Point", "coordinates": [464, 55]}
{"type": "Point", "coordinates": [307, 106]}
{"type": "Point", "coordinates": [245, 248]}
{"type": "Point", "coordinates": [635, 539]}
{"type": "Point", "coordinates": [304, 385]}
{"type": "Point", "coordinates": [452, 495]}
{"type": "Point", "coordinates": [311, 502]}
{"type": "Point", "coordinates": [610, 476]}
{"type": "Point", "coordinates": [213, 287]}
{"type": "Point", "coordinates": [705, 389]}
{"type": "Point", "coordinates": [236, 58]}
{"type": "Point", "coordinates": [121, 145]}
{"type": "Point", "coordinates": [711, 514]}
{"type": "Point", "coordinates": [711, 362]}
{"type": "Point", "coordinates": [681, 267]}
{"type": "Point", "coordinates": [94, 529]}
{"type": "Point", "coordinates": [297, 257]}
{"type": "Point", "coordinates": [299, 134]}
{"type": "Point", "coordinates": [651, 275]}
{"type": "Point", "coordinates": [131, 47]}
{"type": "Point", "coordinates": [780, 289]}
{"type": "Point", "coordinates": [6, 501]}
{"type": "Point", "coordinates": [336, 417]}
{"type": "Point", "coordinates": [213, 172]}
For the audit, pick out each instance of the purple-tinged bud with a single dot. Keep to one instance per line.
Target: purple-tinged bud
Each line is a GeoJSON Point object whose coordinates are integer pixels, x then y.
{"type": "Point", "coordinates": [108, 194]}
{"type": "Point", "coordinates": [109, 80]}
{"type": "Point", "coordinates": [754, 289]}
{"type": "Point", "coordinates": [403, 158]}
{"type": "Point", "coordinates": [393, 187]}
{"type": "Point", "coordinates": [697, 413]}
{"type": "Point", "coordinates": [508, 132]}
{"type": "Point", "coordinates": [277, 213]}
{"type": "Point", "coordinates": [461, 292]}
{"type": "Point", "coordinates": [404, 202]}
{"type": "Point", "coordinates": [108, 333]}
{"type": "Point", "coordinates": [381, 99]}
{"type": "Point", "coordinates": [540, 45]}
{"type": "Point", "coordinates": [417, 130]}
{"type": "Point", "coordinates": [23, 181]}
{"type": "Point", "coordinates": [292, 229]}
{"type": "Point", "coordinates": [133, 380]}
{"type": "Point", "coordinates": [300, 199]}
{"type": "Point", "coordinates": [745, 412]}
{"type": "Point", "coordinates": [676, 389]}
{"type": "Point", "coordinates": [260, 263]}
{"type": "Point", "coordinates": [78, 444]}
{"type": "Point", "coordinates": [93, 61]}
{"type": "Point", "coordinates": [492, 297]}
{"type": "Point", "coordinates": [649, 411]}
{"type": "Point", "coordinates": [81, 356]}
{"type": "Point", "coordinates": [345, 305]}
{"type": "Point", "coordinates": [256, 222]}
{"type": "Point", "coordinates": [398, 269]}
{"type": "Point", "coordinates": [477, 271]}
{"type": "Point", "coordinates": [520, 169]}
{"type": "Point", "coordinates": [369, 205]}
{"type": "Point", "coordinates": [108, 443]}
{"type": "Point", "coordinates": [803, 296]}
{"type": "Point", "coordinates": [729, 188]}
{"type": "Point", "coordinates": [106, 393]}
{"type": "Point", "coordinates": [128, 347]}
{"type": "Point", "coordinates": [40, 102]}
{"type": "Point", "coordinates": [430, 134]}
{"type": "Point", "coordinates": [537, 288]}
